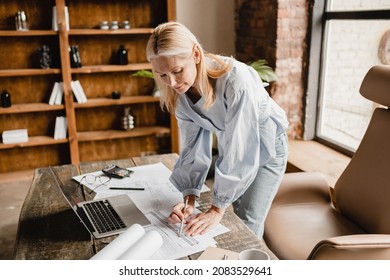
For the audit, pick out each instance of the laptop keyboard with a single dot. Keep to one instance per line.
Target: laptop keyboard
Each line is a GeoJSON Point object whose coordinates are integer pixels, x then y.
{"type": "Point", "coordinates": [104, 216]}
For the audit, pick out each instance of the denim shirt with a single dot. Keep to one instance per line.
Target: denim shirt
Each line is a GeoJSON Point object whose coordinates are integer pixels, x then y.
{"type": "Point", "coordinates": [245, 120]}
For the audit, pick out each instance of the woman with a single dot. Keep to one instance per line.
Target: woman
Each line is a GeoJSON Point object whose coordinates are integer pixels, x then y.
{"type": "Point", "coordinates": [215, 94]}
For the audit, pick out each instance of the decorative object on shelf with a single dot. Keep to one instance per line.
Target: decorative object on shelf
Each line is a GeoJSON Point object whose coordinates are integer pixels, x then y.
{"type": "Point", "coordinates": [21, 21]}
{"type": "Point", "coordinates": [122, 55]}
{"type": "Point", "coordinates": [114, 25]}
{"type": "Point", "coordinates": [75, 59]}
{"type": "Point", "coordinates": [127, 120]}
{"type": "Point", "coordinates": [125, 24]}
{"type": "Point", "coordinates": [104, 25]}
{"type": "Point", "coordinates": [5, 99]}
{"type": "Point", "coordinates": [115, 95]}
{"type": "Point", "coordinates": [45, 57]}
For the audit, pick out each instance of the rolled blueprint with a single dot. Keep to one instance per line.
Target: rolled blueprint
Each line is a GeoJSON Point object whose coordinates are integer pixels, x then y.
{"type": "Point", "coordinates": [120, 244]}
{"type": "Point", "coordinates": [144, 248]}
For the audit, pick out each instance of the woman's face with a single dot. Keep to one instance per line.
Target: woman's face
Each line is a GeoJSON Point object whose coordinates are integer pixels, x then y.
{"type": "Point", "coordinates": [179, 73]}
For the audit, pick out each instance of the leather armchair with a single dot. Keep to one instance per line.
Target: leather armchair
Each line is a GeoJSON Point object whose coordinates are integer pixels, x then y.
{"type": "Point", "coordinates": [309, 220]}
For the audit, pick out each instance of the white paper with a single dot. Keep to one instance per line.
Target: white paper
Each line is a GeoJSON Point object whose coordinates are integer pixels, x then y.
{"type": "Point", "coordinates": [124, 240]}
{"type": "Point", "coordinates": [144, 248]}
{"type": "Point", "coordinates": [133, 244]}
{"type": "Point", "coordinates": [156, 202]}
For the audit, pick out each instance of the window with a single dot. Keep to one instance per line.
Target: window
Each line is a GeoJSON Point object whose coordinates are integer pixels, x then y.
{"type": "Point", "coordinates": [352, 31]}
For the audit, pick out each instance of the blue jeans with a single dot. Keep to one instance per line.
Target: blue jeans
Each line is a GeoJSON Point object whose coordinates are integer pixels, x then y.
{"type": "Point", "coordinates": [253, 206]}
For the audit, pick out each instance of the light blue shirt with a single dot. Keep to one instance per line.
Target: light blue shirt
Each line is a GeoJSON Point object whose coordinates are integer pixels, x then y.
{"type": "Point", "coordinates": [246, 121]}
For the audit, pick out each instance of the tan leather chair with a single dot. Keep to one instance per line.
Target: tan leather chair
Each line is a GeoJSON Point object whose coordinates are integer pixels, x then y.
{"type": "Point", "coordinates": [307, 222]}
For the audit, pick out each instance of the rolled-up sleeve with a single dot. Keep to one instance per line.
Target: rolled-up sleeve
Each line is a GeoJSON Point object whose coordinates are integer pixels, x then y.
{"type": "Point", "coordinates": [239, 148]}
{"type": "Point", "coordinates": [190, 171]}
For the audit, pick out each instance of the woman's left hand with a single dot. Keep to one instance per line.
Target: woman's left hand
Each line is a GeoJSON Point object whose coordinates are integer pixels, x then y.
{"type": "Point", "coordinates": [203, 222]}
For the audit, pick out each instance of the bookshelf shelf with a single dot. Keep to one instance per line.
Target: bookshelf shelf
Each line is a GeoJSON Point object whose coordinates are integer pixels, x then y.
{"type": "Point", "coordinates": [31, 108]}
{"type": "Point", "coordinates": [94, 32]}
{"type": "Point", "coordinates": [92, 127]}
{"type": "Point", "coordinates": [34, 141]}
{"type": "Point", "coordinates": [28, 72]}
{"type": "Point", "coordinates": [119, 134]}
{"type": "Point", "coordinates": [103, 102]}
{"type": "Point", "coordinates": [110, 68]}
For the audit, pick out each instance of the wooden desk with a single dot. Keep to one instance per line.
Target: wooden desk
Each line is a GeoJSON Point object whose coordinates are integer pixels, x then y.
{"type": "Point", "coordinates": [48, 228]}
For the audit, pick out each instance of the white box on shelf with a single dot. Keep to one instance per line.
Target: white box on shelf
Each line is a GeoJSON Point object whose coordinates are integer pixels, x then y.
{"type": "Point", "coordinates": [15, 136]}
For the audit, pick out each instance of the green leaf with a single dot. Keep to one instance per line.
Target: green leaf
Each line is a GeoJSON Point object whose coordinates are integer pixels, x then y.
{"type": "Point", "coordinates": [265, 72]}
{"type": "Point", "coordinates": [143, 73]}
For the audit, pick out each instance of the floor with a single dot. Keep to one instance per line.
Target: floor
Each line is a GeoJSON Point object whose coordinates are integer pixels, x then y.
{"type": "Point", "coordinates": [13, 190]}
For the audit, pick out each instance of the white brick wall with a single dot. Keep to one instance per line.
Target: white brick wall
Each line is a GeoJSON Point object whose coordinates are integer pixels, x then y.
{"type": "Point", "coordinates": [352, 50]}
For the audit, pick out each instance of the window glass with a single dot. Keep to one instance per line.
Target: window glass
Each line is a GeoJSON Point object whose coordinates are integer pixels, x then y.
{"type": "Point", "coordinates": [350, 50]}
{"type": "Point", "coordinates": [358, 5]}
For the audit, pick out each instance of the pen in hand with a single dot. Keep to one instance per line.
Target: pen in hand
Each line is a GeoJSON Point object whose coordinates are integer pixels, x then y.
{"type": "Point", "coordinates": [182, 221]}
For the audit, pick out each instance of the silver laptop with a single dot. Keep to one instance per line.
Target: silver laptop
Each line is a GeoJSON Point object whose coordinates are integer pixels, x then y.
{"type": "Point", "coordinates": [103, 217]}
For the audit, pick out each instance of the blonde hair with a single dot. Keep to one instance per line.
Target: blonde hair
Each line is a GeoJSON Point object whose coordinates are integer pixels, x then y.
{"type": "Point", "coordinates": [174, 39]}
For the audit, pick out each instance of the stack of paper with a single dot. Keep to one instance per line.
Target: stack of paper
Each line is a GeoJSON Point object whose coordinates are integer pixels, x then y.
{"type": "Point", "coordinates": [56, 94]}
{"type": "Point", "coordinates": [60, 128]}
{"type": "Point", "coordinates": [15, 136]}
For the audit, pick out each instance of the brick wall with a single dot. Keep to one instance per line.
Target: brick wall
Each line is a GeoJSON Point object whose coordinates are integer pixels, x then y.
{"type": "Point", "coordinates": [277, 31]}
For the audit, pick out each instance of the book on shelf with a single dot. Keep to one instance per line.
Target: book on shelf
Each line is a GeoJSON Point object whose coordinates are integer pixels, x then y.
{"type": "Point", "coordinates": [75, 59]}
{"type": "Point", "coordinates": [57, 94]}
{"type": "Point", "coordinates": [78, 91]}
{"type": "Point", "coordinates": [60, 128]}
{"type": "Point", "coordinates": [54, 22]}
{"type": "Point", "coordinates": [15, 136]}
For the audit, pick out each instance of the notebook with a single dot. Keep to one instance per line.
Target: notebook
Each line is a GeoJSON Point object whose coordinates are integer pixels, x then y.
{"type": "Point", "coordinates": [106, 216]}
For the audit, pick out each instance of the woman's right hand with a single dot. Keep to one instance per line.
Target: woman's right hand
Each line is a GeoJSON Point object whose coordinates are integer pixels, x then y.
{"type": "Point", "coordinates": [177, 214]}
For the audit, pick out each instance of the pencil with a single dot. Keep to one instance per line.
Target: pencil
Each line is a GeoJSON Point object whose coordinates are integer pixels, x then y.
{"type": "Point", "coordinates": [182, 221]}
{"type": "Point", "coordinates": [124, 188]}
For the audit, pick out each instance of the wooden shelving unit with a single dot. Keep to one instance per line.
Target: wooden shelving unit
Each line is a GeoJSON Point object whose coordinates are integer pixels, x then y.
{"type": "Point", "coordinates": [94, 130]}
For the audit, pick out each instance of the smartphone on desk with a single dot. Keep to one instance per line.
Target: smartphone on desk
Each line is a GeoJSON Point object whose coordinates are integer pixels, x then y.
{"type": "Point", "coordinates": [115, 171]}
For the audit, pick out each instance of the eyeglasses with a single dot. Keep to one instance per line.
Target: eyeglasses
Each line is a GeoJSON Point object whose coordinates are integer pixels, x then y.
{"type": "Point", "coordinates": [94, 181]}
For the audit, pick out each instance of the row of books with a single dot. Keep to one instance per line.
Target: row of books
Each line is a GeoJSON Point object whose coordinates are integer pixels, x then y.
{"type": "Point", "coordinates": [75, 59]}
{"type": "Point", "coordinates": [54, 22]}
{"type": "Point", "coordinates": [57, 93]}
{"type": "Point", "coordinates": [60, 128]}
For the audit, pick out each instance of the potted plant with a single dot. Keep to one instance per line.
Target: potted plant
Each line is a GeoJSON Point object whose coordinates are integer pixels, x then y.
{"type": "Point", "coordinates": [266, 73]}
{"type": "Point", "coordinates": [147, 74]}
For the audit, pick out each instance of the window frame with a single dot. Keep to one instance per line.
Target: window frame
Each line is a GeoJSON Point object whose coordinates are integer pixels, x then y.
{"type": "Point", "coordinates": [319, 18]}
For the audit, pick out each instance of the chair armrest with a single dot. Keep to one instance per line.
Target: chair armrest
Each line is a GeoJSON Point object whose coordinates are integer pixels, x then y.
{"type": "Point", "coordinates": [302, 187]}
{"type": "Point", "coordinates": [353, 247]}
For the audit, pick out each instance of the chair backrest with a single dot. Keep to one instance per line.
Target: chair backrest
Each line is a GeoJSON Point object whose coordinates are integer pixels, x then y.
{"type": "Point", "coordinates": [362, 193]}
